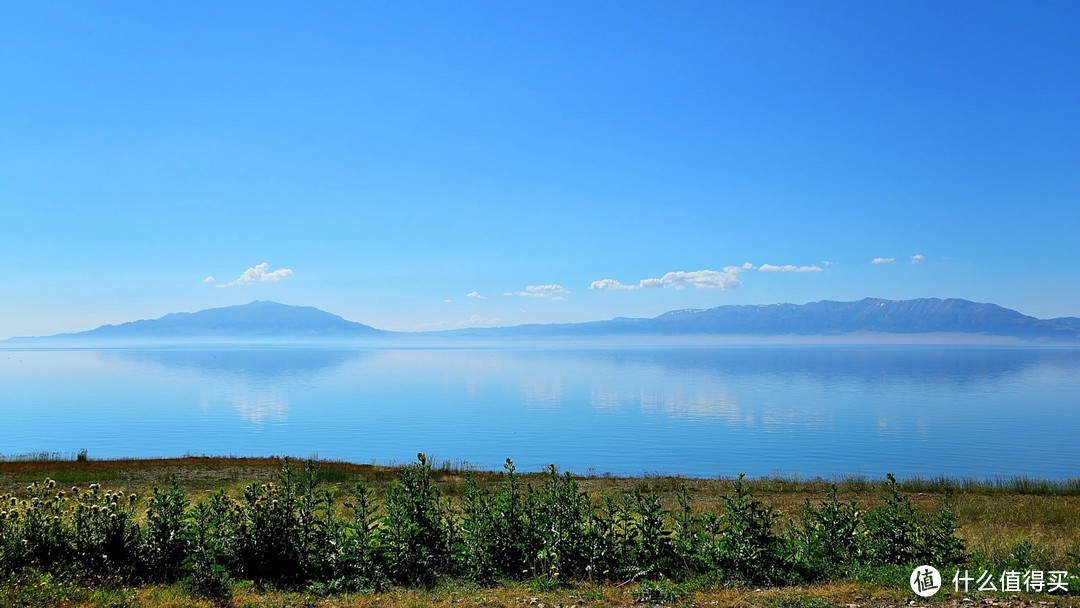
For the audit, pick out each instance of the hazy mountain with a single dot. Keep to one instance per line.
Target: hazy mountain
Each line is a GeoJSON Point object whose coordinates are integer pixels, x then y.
{"type": "Point", "coordinates": [1073, 322]}
{"type": "Point", "coordinates": [924, 315]}
{"type": "Point", "coordinates": [259, 320]}
{"type": "Point", "coordinates": [272, 321]}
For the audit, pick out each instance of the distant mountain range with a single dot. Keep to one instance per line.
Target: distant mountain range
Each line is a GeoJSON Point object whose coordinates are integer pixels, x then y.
{"type": "Point", "coordinates": [257, 320]}
{"type": "Point", "coordinates": [261, 320]}
{"type": "Point", "coordinates": [829, 318]}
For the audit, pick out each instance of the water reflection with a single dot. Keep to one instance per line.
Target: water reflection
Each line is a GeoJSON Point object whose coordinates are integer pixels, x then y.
{"type": "Point", "coordinates": [249, 380]}
{"type": "Point", "coordinates": [250, 364]}
{"type": "Point", "coordinates": [699, 411]}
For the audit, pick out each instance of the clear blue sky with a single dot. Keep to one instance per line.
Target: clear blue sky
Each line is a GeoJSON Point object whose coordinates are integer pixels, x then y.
{"type": "Point", "coordinates": [389, 158]}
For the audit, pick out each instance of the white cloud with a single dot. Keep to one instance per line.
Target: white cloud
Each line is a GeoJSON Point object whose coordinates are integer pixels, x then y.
{"type": "Point", "coordinates": [610, 285]}
{"type": "Point", "coordinates": [546, 289]}
{"type": "Point", "coordinates": [703, 279]}
{"type": "Point", "coordinates": [209, 279]}
{"type": "Point", "coordinates": [446, 300]}
{"type": "Point", "coordinates": [883, 260]}
{"type": "Point", "coordinates": [918, 257]}
{"type": "Point", "coordinates": [826, 263]}
{"type": "Point", "coordinates": [475, 294]}
{"type": "Point", "coordinates": [478, 321]}
{"type": "Point", "coordinates": [540, 291]}
{"type": "Point", "coordinates": [789, 268]}
{"type": "Point", "coordinates": [258, 274]}
{"type": "Point", "coordinates": [727, 278]}
{"type": "Point", "coordinates": [699, 279]}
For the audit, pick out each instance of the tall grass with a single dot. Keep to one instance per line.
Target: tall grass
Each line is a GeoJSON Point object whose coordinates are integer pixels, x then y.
{"type": "Point", "coordinates": [293, 533]}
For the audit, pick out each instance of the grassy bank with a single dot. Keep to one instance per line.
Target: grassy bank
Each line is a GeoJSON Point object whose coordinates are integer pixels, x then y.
{"type": "Point", "coordinates": [249, 533]}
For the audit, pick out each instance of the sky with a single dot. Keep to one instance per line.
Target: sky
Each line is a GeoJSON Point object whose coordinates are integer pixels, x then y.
{"type": "Point", "coordinates": [422, 165]}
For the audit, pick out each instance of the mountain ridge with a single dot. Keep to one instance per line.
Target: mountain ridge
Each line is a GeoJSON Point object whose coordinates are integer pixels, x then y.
{"type": "Point", "coordinates": [265, 320]}
{"type": "Point", "coordinates": [257, 319]}
{"type": "Point", "coordinates": [830, 318]}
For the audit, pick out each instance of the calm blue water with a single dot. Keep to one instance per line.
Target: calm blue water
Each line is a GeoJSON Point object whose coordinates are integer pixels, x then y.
{"type": "Point", "coordinates": [703, 412]}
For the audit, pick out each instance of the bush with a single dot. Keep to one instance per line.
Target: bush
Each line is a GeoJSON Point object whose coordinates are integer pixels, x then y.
{"type": "Point", "coordinates": [649, 547]}
{"type": "Point", "coordinates": [360, 565]}
{"type": "Point", "coordinates": [828, 539]}
{"type": "Point", "coordinates": [750, 549]}
{"type": "Point", "coordinates": [416, 535]}
{"type": "Point", "coordinates": [289, 534]}
{"type": "Point", "coordinates": [898, 534]}
{"type": "Point", "coordinates": [495, 529]}
{"type": "Point", "coordinates": [106, 540]}
{"type": "Point", "coordinates": [559, 532]}
{"type": "Point", "coordinates": [165, 546]}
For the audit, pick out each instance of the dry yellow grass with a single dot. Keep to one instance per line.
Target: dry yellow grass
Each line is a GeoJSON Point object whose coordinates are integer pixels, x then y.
{"type": "Point", "coordinates": [838, 595]}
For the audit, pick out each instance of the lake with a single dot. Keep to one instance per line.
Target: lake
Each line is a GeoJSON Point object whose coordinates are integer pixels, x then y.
{"type": "Point", "coordinates": [811, 411]}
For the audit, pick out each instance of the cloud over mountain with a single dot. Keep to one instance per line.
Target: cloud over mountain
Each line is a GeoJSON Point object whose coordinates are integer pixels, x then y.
{"type": "Point", "coordinates": [259, 274]}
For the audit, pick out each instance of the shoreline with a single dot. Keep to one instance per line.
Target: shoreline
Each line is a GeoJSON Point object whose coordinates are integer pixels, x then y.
{"type": "Point", "coordinates": [45, 462]}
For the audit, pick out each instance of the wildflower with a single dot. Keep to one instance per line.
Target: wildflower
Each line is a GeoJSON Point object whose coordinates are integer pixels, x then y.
{"type": "Point", "coordinates": [50, 482]}
{"type": "Point", "coordinates": [74, 490]}
{"type": "Point", "coordinates": [60, 494]}
{"type": "Point", "coordinates": [149, 512]}
{"type": "Point", "coordinates": [112, 516]}
{"type": "Point", "coordinates": [24, 542]}
{"type": "Point", "coordinates": [120, 493]}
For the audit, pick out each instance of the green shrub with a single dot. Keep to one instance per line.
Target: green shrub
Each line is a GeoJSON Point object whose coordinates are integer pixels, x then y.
{"type": "Point", "coordinates": [289, 534]}
{"type": "Point", "coordinates": [495, 529]}
{"type": "Point", "coordinates": [38, 536]}
{"type": "Point", "coordinates": [828, 540]}
{"type": "Point", "coordinates": [898, 534]}
{"type": "Point", "coordinates": [650, 550]}
{"type": "Point", "coordinates": [360, 564]}
{"type": "Point", "coordinates": [416, 535]}
{"type": "Point", "coordinates": [205, 534]}
{"type": "Point", "coordinates": [559, 531]}
{"type": "Point", "coordinates": [165, 546]}
{"type": "Point", "coordinates": [105, 539]}
{"type": "Point", "coordinates": [750, 549]}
